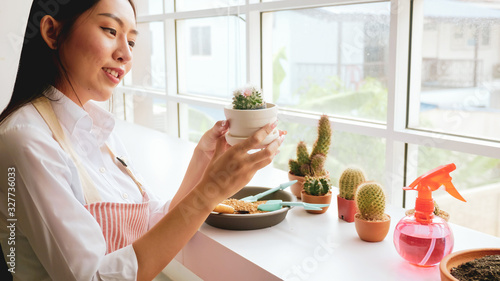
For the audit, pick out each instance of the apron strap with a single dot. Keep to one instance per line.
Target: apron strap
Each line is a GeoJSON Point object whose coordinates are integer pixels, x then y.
{"type": "Point", "coordinates": [44, 107]}
{"type": "Point", "coordinates": [127, 169]}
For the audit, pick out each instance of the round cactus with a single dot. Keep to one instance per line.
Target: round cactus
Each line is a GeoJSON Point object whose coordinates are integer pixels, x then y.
{"type": "Point", "coordinates": [248, 98]}
{"type": "Point", "coordinates": [349, 181]}
{"type": "Point", "coordinates": [316, 186]}
{"type": "Point", "coordinates": [370, 200]}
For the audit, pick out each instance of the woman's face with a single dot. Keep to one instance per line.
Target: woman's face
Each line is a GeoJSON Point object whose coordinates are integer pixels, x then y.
{"type": "Point", "coordinates": [98, 51]}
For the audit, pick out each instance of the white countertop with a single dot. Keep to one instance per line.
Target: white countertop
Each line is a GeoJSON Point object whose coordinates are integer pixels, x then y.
{"type": "Point", "coordinates": [302, 247]}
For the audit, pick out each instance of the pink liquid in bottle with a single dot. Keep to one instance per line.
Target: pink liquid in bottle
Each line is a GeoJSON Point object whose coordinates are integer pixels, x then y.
{"type": "Point", "coordinates": [423, 244]}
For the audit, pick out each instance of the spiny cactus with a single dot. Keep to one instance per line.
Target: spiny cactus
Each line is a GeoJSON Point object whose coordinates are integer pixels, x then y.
{"type": "Point", "coordinates": [322, 144]}
{"type": "Point", "coordinates": [316, 186]}
{"type": "Point", "coordinates": [349, 181]}
{"type": "Point", "coordinates": [370, 200]}
{"type": "Point", "coordinates": [313, 164]}
{"type": "Point", "coordinates": [248, 98]}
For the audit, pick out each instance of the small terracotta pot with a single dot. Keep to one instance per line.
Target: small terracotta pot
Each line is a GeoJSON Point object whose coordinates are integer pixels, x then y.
{"type": "Point", "coordinates": [323, 199]}
{"type": "Point", "coordinates": [347, 209]}
{"type": "Point", "coordinates": [296, 188]}
{"type": "Point", "coordinates": [371, 231]}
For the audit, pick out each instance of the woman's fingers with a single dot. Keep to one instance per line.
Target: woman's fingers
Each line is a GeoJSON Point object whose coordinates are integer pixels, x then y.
{"type": "Point", "coordinates": [220, 147]}
{"type": "Point", "coordinates": [254, 140]}
{"type": "Point", "coordinates": [221, 127]}
{"type": "Point", "coordinates": [266, 154]}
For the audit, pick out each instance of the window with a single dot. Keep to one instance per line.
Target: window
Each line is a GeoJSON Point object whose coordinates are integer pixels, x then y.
{"type": "Point", "coordinates": [329, 59]}
{"type": "Point", "coordinates": [201, 41]}
{"type": "Point", "coordinates": [457, 89]}
{"type": "Point", "coordinates": [211, 55]}
{"type": "Point", "coordinates": [408, 85]}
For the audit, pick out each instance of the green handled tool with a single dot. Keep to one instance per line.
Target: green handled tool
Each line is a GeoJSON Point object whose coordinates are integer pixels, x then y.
{"type": "Point", "coordinates": [273, 205]}
{"type": "Point", "coordinates": [253, 198]}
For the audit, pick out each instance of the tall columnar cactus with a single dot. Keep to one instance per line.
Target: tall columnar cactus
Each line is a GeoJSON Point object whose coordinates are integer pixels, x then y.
{"type": "Point", "coordinates": [316, 186]}
{"type": "Point", "coordinates": [322, 144]}
{"type": "Point", "coordinates": [313, 164]}
{"type": "Point", "coordinates": [370, 200]}
{"type": "Point", "coordinates": [349, 181]}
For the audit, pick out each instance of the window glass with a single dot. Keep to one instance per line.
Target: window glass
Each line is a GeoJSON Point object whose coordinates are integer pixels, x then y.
{"type": "Point", "coordinates": [148, 7]}
{"type": "Point", "coordinates": [169, 6]}
{"type": "Point", "coordinates": [346, 149]}
{"type": "Point", "coordinates": [477, 179]}
{"type": "Point", "coordinates": [459, 84]}
{"type": "Point", "coordinates": [331, 60]}
{"type": "Point", "coordinates": [211, 55]}
{"type": "Point", "coordinates": [189, 5]}
{"type": "Point", "coordinates": [144, 110]}
{"type": "Point", "coordinates": [200, 119]}
{"type": "Point", "coordinates": [149, 57]}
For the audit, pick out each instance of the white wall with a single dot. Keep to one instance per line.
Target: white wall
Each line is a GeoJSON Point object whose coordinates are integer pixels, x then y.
{"type": "Point", "coordinates": [13, 18]}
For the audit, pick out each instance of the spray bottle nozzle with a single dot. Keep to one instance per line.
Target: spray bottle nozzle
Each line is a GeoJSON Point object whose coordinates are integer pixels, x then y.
{"type": "Point", "coordinates": [429, 182]}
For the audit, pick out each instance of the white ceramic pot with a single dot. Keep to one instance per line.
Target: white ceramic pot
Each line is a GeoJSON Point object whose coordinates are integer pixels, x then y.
{"type": "Point", "coordinates": [243, 123]}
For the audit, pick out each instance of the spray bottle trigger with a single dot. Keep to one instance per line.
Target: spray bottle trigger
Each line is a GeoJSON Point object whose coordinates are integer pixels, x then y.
{"type": "Point", "coordinates": [450, 188]}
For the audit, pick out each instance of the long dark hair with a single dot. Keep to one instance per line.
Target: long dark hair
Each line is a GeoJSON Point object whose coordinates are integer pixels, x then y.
{"type": "Point", "coordinates": [38, 66]}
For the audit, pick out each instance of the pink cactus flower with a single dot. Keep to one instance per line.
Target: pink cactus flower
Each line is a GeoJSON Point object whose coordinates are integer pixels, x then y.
{"type": "Point", "coordinates": [247, 92]}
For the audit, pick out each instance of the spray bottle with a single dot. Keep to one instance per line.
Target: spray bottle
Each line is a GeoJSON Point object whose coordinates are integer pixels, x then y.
{"type": "Point", "coordinates": [422, 238]}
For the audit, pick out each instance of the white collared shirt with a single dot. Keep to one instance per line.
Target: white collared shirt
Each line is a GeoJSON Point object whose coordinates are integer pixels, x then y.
{"type": "Point", "coordinates": [56, 238]}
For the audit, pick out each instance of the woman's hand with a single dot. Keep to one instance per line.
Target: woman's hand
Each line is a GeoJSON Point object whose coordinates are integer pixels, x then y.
{"type": "Point", "coordinates": [208, 141]}
{"type": "Point", "coordinates": [232, 168]}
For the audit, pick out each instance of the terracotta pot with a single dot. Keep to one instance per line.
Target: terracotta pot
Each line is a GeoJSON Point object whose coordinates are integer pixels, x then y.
{"type": "Point", "coordinates": [323, 199]}
{"type": "Point", "coordinates": [460, 257]}
{"type": "Point", "coordinates": [243, 123]}
{"type": "Point", "coordinates": [371, 231]}
{"type": "Point", "coordinates": [347, 209]}
{"type": "Point", "coordinates": [296, 188]}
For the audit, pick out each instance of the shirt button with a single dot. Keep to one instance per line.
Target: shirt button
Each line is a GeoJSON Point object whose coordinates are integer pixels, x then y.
{"type": "Point", "coordinates": [102, 170]}
{"type": "Point", "coordinates": [125, 196]}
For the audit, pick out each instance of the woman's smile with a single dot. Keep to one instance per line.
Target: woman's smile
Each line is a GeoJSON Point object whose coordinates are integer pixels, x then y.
{"type": "Point", "coordinates": [114, 74]}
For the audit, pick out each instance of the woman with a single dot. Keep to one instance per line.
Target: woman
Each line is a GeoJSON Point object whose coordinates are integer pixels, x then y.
{"type": "Point", "coordinates": [81, 213]}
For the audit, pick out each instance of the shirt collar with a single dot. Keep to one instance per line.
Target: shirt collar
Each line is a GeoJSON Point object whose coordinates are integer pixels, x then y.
{"type": "Point", "coordinates": [93, 119]}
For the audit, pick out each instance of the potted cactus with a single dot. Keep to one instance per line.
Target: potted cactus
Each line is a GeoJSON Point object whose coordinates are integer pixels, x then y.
{"type": "Point", "coordinates": [317, 190]}
{"type": "Point", "coordinates": [371, 221]}
{"type": "Point", "coordinates": [247, 113]}
{"type": "Point", "coordinates": [311, 164]}
{"type": "Point", "coordinates": [350, 179]}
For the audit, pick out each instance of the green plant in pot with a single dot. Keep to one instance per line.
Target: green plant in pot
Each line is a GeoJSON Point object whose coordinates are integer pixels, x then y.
{"type": "Point", "coordinates": [247, 113]}
{"type": "Point", "coordinates": [317, 190]}
{"type": "Point", "coordinates": [311, 164]}
{"type": "Point", "coordinates": [371, 221]}
{"type": "Point", "coordinates": [350, 179]}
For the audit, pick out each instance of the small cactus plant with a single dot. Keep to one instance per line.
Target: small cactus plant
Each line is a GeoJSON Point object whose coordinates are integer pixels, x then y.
{"type": "Point", "coordinates": [313, 164]}
{"type": "Point", "coordinates": [248, 98]}
{"type": "Point", "coordinates": [349, 181]}
{"type": "Point", "coordinates": [316, 186]}
{"type": "Point", "coordinates": [370, 200]}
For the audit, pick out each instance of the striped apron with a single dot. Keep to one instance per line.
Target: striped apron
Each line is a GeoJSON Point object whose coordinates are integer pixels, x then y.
{"type": "Point", "coordinates": [121, 223]}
